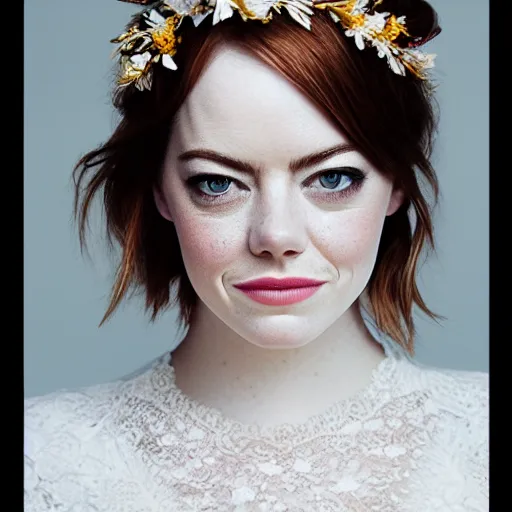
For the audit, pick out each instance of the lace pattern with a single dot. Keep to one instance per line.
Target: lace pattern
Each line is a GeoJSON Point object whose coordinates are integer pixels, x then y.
{"type": "Point", "coordinates": [414, 440]}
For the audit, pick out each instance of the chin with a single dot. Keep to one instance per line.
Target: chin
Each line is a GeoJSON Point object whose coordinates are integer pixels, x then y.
{"type": "Point", "coordinates": [281, 331]}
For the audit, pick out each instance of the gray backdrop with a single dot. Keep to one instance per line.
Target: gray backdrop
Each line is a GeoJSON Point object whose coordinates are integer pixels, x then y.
{"type": "Point", "coordinates": [68, 73]}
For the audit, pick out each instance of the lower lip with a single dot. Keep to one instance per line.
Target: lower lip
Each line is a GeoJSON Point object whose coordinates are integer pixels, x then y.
{"type": "Point", "coordinates": [282, 297]}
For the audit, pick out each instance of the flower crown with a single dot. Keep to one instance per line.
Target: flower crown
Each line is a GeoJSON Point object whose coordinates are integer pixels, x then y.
{"type": "Point", "coordinates": [154, 37]}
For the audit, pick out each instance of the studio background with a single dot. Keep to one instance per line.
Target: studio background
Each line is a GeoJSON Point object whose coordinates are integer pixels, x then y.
{"type": "Point", "coordinates": [68, 78]}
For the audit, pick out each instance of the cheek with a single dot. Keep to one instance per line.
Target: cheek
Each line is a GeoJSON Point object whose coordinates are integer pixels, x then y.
{"type": "Point", "coordinates": [208, 244]}
{"type": "Point", "coordinates": [351, 241]}
{"type": "Point", "coordinates": [208, 247]}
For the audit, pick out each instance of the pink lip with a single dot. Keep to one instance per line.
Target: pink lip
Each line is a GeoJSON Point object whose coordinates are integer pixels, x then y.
{"type": "Point", "coordinates": [280, 292]}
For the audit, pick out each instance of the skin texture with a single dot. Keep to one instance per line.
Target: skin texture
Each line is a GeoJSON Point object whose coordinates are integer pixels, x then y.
{"type": "Point", "coordinates": [273, 222]}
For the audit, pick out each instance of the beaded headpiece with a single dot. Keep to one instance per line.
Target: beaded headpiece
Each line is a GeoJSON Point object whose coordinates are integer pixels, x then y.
{"type": "Point", "coordinates": [154, 36]}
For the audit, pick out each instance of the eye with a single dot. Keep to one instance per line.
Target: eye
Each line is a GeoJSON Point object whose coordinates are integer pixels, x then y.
{"type": "Point", "coordinates": [343, 180]}
{"type": "Point", "coordinates": [332, 180]}
{"type": "Point", "coordinates": [210, 185]}
{"type": "Point", "coordinates": [214, 186]}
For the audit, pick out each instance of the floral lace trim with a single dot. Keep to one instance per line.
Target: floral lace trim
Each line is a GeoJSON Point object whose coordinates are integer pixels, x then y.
{"type": "Point", "coordinates": [364, 404]}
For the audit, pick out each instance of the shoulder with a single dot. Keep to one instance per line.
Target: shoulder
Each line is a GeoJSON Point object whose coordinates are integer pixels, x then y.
{"type": "Point", "coordinates": [463, 394]}
{"type": "Point", "coordinates": [456, 404]}
{"type": "Point", "coordinates": [62, 434]}
{"type": "Point", "coordinates": [453, 465]}
{"type": "Point", "coordinates": [81, 410]}
{"type": "Point", "coordinates": [67, 414]}
{"type": "Point", "coordinates": [452, 469]}
{"type": "Point", "coordinates": [74, 446]}
{"type": "Point", "coordinates": [51, 410]}
{"type": "Point", "coordinates": [457, 415]}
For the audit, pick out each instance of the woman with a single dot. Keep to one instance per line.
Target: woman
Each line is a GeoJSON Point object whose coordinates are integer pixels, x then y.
{"type": "Point", "coordinates": [266, 175]}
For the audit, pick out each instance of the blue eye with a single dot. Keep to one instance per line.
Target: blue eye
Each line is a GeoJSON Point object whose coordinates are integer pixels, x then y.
{"type": "Point", "coordinates": [332, 180]}
{"type": "Point", "coordinates": [214, 186]}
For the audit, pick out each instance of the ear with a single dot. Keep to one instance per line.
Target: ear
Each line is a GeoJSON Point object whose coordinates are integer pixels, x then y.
{"type": "Point", "coordinates": [395, 201]}
{"type": "Point", "coordinates": [161, 204]}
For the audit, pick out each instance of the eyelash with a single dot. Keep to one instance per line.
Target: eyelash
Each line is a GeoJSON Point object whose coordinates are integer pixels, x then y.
{"type": "Point", "coordinates": [356, 176]}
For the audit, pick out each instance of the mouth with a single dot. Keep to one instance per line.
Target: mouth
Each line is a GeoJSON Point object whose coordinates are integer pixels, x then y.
{"type": "Point", "coordinates": [280, 292]}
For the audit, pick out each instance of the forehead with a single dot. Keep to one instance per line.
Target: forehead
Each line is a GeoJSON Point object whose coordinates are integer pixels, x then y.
{"type": "Point", "coordinates": [242, 106]}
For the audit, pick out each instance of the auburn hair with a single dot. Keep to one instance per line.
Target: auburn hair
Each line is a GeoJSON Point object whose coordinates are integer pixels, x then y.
{"type": "Point", "coordinates": [391, 119]}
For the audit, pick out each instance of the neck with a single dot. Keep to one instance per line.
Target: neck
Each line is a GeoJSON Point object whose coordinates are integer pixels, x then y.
{"type": "Point", "coordinates": [215, 366]}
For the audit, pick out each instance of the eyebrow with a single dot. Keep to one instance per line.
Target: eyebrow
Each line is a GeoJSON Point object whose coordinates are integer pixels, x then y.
{"type": "Point", "coordinates": [295, 165]}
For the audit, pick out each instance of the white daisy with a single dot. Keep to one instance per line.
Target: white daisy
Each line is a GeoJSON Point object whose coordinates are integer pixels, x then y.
{"type": "Point", "coordinates": [395, 65]}
{"type": "Point", "coordinates": [358, 36]}
{"type": "Point", "coordinates": [223, 11]}
{"type": "Point", "coordinates": [259, 8]}
{"type": "Point", "coordinates": [154, 19]}
{"type": "Point", "coordinates": [382, 47]}
{"type": "Point", "coordinates": [334, 16]}
{"type": "Point", "coordinates": [360, 7]}
{"type": "Point", "coordinates": [300, 11]}
{"type": "Point", "coordinates": [135, 69]}
{"type": "Point", "coordinates": [168, 62]}
{"type": "Point", "coordinates": [198, 18]}
{"type": "Point", "coordinates": [145, 81]}
{"type": "Point", "coordinates": [376, 21]}
{"type": "Point", "coordinates": [426, 60]}
{"type": "Point", "coordinates": [139, 61]}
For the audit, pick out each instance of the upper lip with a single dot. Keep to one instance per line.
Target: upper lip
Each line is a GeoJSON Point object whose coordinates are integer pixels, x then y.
{"type": "Point", "coordinates": [272, 283]}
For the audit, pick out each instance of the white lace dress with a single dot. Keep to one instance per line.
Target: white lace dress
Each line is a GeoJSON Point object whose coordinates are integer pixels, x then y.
{"type": "Point", "coordinates": [415, 440]}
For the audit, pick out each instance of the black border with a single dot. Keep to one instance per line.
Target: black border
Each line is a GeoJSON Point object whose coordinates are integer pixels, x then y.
{"type": "Point", "coordinates": [496, 213]}
{"type": "Point", "coordinates": [15, 232]}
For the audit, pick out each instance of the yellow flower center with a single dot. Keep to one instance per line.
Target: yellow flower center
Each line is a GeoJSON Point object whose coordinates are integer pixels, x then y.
{"type": "Point", "coordinates": [164, 38]}
{"type": "Point", "coordinates": [344, 11]}
{"type": "Point", "coordinates": [356, 21]}
{"type": "Point", "coordinates": [392, 29]}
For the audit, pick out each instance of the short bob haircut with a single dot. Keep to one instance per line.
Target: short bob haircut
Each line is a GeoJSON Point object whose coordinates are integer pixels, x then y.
{"type": "Point", "coordinates": [391, 119]}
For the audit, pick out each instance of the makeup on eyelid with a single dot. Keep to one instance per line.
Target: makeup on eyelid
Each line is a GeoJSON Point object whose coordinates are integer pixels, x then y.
{"type": "Point", "coordinates": [328, 193]}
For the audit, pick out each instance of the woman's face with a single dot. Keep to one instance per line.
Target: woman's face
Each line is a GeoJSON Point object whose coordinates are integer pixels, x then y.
{"type": "Point", "coordinates": [259, 184]}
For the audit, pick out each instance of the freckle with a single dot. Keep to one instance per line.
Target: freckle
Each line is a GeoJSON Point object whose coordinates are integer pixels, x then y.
{"type": "Point", "coordinates": [316, 374]}
{"type": "Point", "coordinates": [224, 363]}
{"type": "Point", "coordinates": [283, 361]}
{"type": "Point", "coordinates": [238, 378]}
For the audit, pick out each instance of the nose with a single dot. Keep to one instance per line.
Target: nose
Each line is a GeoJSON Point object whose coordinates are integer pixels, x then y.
{"type": "Point", "coordinates": [278, 228]}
